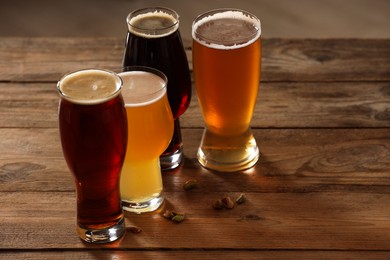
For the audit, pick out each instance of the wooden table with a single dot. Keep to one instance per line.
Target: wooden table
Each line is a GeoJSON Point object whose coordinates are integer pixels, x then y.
{"type": "Point", "coordinates": [321, 188]}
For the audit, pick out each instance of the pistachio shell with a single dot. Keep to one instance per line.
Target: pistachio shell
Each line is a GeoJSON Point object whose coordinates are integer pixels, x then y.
{"type": "Point", "coordinates": [134, 230]}
{"type": "Point", "coordinates": [178, 218]}
{"type": "Point", "coordinates": [241, 198]}
{"type": "Point", "coordinates": [228, 202]}
{"type": "Point", "coordinates": [190, 184]}
{"type": "Point", "coordinates": [218, 204]}
{"type": "Point", "coordinates": [168, 214]}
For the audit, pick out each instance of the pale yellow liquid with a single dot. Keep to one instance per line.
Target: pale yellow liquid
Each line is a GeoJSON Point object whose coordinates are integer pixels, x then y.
{"type": "Point", "coordinates": [150, 129]}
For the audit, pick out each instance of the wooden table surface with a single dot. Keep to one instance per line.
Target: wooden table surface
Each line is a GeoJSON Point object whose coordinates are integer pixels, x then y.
{"type": "Point", "coordinates": [321, 188]}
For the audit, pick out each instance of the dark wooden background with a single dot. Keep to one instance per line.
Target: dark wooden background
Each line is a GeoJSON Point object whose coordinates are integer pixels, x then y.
{"type": "Point", "coordinates": [320, 189]}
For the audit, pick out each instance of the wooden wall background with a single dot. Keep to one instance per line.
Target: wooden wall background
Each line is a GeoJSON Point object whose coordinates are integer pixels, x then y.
{"type": "Point", "coordinates": [280, 18]}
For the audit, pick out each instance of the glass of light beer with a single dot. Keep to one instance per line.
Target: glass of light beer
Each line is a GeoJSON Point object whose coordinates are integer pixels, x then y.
{"type": "Point", "coordinates": [93, 130]}
{"type": "Point", "coordinates": [226, 61]}
{"type": "Point", "coordinates": [154, 40]}
{"type": "Point", "coordinates": [150, 129]}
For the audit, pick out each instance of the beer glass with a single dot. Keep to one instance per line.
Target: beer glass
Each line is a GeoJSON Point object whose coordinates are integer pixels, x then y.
{"type": "Point", "coordinates": [93, 130]}
{"type": "Point", "coordinates": [226, 60]}
{"type": "Point", "coordinates": [150, 129]}
{"type": "Point", "coordinates": [154, 40]}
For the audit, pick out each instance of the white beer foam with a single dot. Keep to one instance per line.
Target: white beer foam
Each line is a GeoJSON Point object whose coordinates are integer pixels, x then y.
{"type": "Point", "coordinates": [171, 29]}
{"type": "Point", "coordinates": [89, 86]}
{"type": "Point", "coordinates": [141, 88]}
{"type": "Point", "coordinates": [232, 14]}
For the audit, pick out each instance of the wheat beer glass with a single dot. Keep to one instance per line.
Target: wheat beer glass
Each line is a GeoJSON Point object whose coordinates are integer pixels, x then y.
{"type": "Point", "coordinates": [154, 40]}
{"type": "Point", "coordinates": [93, 130]}
{"type": "Point", "coordinates": [150, 129]}
{"type": "Point", "coordinates": [226, 60]}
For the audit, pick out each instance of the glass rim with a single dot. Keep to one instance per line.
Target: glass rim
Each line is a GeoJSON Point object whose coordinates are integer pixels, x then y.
{"type": "Point", "coordinates": [153, 32]}
{"type": "Point", "coordinates": [118, 85]}
{"type": "Point", "coordinates": [138, 68]}
{"type": "Point", "coordinates": [226, 43]}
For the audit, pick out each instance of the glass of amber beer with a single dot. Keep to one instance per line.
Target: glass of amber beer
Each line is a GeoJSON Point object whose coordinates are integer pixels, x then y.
{"type": "Point", "coordinates": [154, 40]}
{"type": "Point", "coordinates": [226, 60]}
{"type": "Point", "coordinates": [150, 129]}
{"type": "Point", "coordinates": [93, 130]}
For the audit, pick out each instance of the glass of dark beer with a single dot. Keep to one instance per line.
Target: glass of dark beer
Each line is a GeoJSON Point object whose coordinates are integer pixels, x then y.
{"type": "Point", "coordinates": [93, 130]}
{"type": "Point", "coordinates": [227, 61]}
{"type": "Point", "coordinates": [154, 40]}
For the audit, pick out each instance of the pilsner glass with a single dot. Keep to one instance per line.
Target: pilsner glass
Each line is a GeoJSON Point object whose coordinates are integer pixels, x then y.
{"type": "Point", "coordinates": [226, 60]}
{"type": "Point", "coordinates": [93, 129]}
{"type": "Point", "coordinates": [154, 40]}
{"type": "Point", "coordinates": [150, 129]}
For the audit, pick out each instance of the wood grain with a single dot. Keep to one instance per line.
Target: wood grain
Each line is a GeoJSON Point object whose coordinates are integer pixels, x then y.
{"type": "Point", "coordinates": [194, 254]}
{"type": "Point", "coordinates": [292, 160]}
{"type": "Point", "coordinates": [321, 188]}
{"type": "Point", "coordinates": [308, 60]}
{"type": "Point", "coordinates": [279, 105]}
{"type": "Point", "coordinates": [326, 60]}
{"type": "Point", "coordinates": [319, 220]}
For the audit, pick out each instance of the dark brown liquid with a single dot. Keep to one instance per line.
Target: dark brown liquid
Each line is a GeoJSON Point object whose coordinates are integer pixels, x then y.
{"type": "Point", "coordinates": [94, 141]}
{"type": "Point", "coordinates": [176, 142]}
{"type": "Point", "coordinates": [153, 22]}
{"type": "Point", "coordinates": [165, 53]}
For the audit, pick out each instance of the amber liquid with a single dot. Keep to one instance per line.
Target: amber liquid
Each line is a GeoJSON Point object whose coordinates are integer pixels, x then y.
{"type": "Point", "coordinates": [227, 83]}
{"type": "Point", "coordinates": [150, 129]}
{"type": "Point", "coordinates": [226, 59]}
{"type": "Point", "coordinates": [94, 143]}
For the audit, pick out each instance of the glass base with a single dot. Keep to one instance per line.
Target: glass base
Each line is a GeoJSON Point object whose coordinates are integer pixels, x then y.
{"type": "Point", "coordinates": [171, 161]}
{"type": "Point", "coordinates": [104, 235]}
{"type": "Point", "coordinates": [142, 207]}
{"type": "Point", "coordinates": [228, 153]}
{"type": "Point", "coordinates": [173, 155]}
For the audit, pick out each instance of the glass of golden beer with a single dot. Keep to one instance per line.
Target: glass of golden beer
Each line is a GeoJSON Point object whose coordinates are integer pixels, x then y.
{"type": "Point", "coordinates": [154, 40]}
{"type": "Point", "coordinates": [150, 129]}
{"type": "Point", "coordinates": [226, 62]}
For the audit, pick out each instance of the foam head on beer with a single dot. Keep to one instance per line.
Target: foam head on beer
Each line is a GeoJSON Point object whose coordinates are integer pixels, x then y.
{"type": "Point", "coordinates": [153, 24]}
{"type": "Point", "coordinates": [227, 30]}
{"type": "Point", "coordinates": [91, 86]}
{"type": "Point", "coordinates": [141, 88]}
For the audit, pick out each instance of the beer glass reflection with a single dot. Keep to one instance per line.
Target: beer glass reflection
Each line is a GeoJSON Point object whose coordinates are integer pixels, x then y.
{"type": "Point", "coordinates": [226, 60]}
{"type": "Point", "coordinates": [93, 129]}
{"type": "Point", "coordinates": [154, 40]}
{"type": "Point", "coordinates": [150, 129]}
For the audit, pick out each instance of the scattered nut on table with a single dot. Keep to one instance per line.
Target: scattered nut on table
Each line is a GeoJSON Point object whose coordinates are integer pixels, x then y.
{"type": "Point", "coordinates": [190, 184]}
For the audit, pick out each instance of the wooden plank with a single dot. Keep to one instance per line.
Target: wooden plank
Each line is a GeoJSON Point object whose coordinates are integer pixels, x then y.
{"type": "Point", "coordinates": [29, 173]}
{"type": "Point", "coordinates": [292, 160]}
{"type": "Point", "coordinates": [279, 105]}
{"type": "Point", "coordinates": [278, 221]}
{"type": "Point", "coordinates": [316, 191]}
{"type": "Point", "coordinates": [326, 60]}
{"type": "Point", "coordinates": [193, 254]}
{"type": "Point", "coordinates": [290, 105]}
{"type": "Point", "coordinates": [28, 105]}
{"type": "Point", "coordinates": [47, 59]}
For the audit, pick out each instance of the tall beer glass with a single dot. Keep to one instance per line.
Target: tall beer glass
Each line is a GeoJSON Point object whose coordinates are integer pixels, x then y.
{"type": "Point", "coordinates": [154, 40]}
{"type": "Point", "coordinates": [150, 129]}
{"type": "Point", "coordinates": [93, 129]}
{"type": "Point", "coordinates": [226, 60]}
